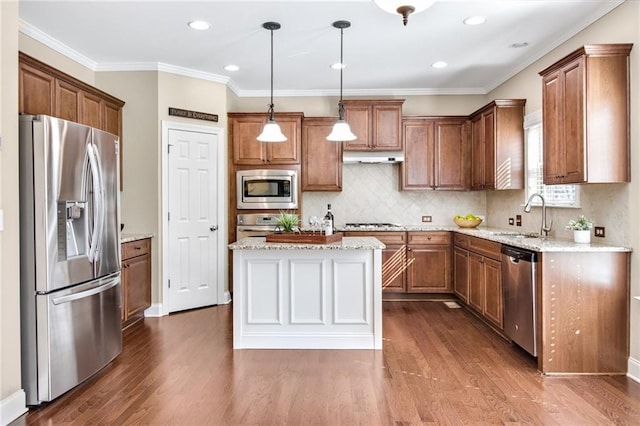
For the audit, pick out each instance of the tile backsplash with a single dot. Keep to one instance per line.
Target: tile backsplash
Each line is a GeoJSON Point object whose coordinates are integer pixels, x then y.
{"type": "Point", "coordinates": [370, 193]}
{"type": "Point", "coordinates": [606, 204]}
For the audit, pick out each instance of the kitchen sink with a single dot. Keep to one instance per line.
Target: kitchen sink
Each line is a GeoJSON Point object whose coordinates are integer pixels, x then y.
{"type": "Point", "coordinates": [518, 235]}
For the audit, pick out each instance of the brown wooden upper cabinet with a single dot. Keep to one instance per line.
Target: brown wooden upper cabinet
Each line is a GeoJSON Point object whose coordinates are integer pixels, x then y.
{"type": "Point", "coordinates": [585, 116]}
{"type": "Point", "coordinates": [321, 159]}
{"type": "Point", "coordinates": [497, 145]}
{"type": "Point", "coordinates": [376, 123]}
{"type": "Point", "coordinates": [244, 129]}
{"type": "Point", "coordinates": [435, 153]}
{"type": "Point", "coordinates": [45, 90]}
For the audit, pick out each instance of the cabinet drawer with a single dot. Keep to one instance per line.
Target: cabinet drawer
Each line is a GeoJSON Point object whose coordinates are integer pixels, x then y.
{"type": "Point", "coordinates": [485, 247]}
{"type": "Point", "coordinates": [136, 248]}
{"type": "Point", "coordinates": [386, 238]}
{"type": "Point", "coordinates": [460, 240]}
{"type": "Point", "coordinates": [441, 238]}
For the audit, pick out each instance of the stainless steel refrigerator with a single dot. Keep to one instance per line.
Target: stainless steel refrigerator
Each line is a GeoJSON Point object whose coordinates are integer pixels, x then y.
{"type": "Point", "coordinates": [69, 254]}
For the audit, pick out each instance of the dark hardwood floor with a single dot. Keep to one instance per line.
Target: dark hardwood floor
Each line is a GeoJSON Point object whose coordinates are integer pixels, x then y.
{"type": "Point", "coordinates": [438, 366]}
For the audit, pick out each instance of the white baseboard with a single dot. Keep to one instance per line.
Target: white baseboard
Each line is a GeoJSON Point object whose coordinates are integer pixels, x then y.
{"type": "Point", "coordinates": [634, 369]}
{"type": "Point", "coordinates": [12, 407]}
{"type": "Point", "coordinates": [155, 310]}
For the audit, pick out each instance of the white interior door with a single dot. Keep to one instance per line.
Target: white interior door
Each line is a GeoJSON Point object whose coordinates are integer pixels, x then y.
{"type": "Point", "coordinates": [192, 219]}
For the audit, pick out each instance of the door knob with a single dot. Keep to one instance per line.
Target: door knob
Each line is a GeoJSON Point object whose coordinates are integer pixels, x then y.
{"type": "Point", "coordinates": [213, 228]}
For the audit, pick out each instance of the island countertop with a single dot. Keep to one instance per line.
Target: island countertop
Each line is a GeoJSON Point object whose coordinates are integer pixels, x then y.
{"type": "Point", "coordinates": [347, 243]}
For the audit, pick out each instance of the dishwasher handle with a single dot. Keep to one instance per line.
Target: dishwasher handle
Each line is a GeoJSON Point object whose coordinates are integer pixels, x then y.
{"type": "Point", "coordinates": [516, 254]}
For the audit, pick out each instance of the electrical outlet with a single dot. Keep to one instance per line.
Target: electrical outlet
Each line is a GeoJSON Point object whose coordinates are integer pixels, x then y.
{"type": "Point", "coordinates": [511, 221]}
{"type": "Point", "coordinates": [518, 220]}
{"type": "Point", "coordinates": [598, 231]}
{"type": "Point", "coordinates": [426, 218]}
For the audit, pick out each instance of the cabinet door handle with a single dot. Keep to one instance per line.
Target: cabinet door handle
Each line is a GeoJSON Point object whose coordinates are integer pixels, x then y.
{"type": "Point", "coordinates": [213, 228]}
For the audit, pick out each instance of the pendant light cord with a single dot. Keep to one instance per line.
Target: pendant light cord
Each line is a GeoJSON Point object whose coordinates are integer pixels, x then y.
{"type": "Point", "coordinates": [340, 104]}
{"type": "Point", "coordinates": [271, 112]}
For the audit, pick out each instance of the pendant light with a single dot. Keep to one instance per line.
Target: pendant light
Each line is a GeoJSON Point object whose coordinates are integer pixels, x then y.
{"type": "Point", "coordinates": [404, 7]}
{"type": "Point", "coordinates": [341, 131]}
{"type": "Point", "coordinates": [271, 131]}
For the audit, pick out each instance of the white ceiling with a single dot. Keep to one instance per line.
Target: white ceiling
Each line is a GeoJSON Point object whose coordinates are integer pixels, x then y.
{"type": "Point", "coordinates": [382, 56]}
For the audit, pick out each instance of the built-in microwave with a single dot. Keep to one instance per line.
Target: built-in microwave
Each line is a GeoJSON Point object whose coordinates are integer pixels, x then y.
{"type": "Point", "coordinates": [267, 189]}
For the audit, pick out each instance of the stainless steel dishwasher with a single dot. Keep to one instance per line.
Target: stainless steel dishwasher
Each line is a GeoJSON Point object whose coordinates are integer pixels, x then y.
{"type": "Point", "coordinates": [520, 288]}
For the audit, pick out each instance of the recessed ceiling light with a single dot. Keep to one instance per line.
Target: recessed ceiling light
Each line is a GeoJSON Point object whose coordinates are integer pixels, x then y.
{"type": "Point", "coordinates": [231, 67]}
{"type": "Point", "coordinates": [337, 66]}
{"type": "Point", "coordinates": [475, 20]}
{"type": "Point", "coordinates": [439, 64]}
{"type": "Point", "coordinates": [519, 45]}
{"type": "Point", "coordinates": [199, 25]}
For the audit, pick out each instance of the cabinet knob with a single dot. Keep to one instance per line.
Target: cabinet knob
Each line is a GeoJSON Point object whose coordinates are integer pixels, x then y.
{"type": "Point", "coordinates": [213, 228]}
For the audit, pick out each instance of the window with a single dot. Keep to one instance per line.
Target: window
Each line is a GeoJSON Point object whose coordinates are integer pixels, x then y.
{"type": "Point", "coordinates": [554, 195]}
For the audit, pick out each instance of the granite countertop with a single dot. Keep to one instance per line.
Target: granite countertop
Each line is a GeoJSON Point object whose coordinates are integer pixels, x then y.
{"type": "Point", "coordinates": [524, 240]}
{"type": "Point", "coordinates": [347, 243]}
{"type": "Point", "coordinates": [130, 237]}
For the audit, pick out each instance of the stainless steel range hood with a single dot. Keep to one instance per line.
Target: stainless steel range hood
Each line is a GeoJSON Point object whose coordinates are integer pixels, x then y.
{"type": "Point", "coordinates": [359, 157]}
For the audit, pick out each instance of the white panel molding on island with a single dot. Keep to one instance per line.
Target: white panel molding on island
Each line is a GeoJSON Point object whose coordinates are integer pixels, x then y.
{"type": "Point", "coordinates": [308, 298]}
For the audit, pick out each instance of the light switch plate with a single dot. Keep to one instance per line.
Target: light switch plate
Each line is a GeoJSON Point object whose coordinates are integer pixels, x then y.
{"type": "Point", "coordinates": [598, 231]}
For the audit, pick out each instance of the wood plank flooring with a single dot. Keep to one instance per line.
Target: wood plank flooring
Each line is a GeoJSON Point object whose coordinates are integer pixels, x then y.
{"type": "Point", "coordinates": [438, 366]}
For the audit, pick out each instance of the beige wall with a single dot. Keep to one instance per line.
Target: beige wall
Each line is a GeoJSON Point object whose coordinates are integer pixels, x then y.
{"type": "Point", "coordinates": [148, 96]}
{"type": "Point", "coordinates": [9, 238]}
{"type": "Point", "coordinates": [614, 206]}
{"type": "Point", "coordinates": [328, 106]}
{"type": "Point", "coordinates": [139, 200]}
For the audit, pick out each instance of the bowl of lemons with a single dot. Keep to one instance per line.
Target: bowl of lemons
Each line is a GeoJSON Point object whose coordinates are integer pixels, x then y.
{"type": "Point", "coordinates": [468, 221]}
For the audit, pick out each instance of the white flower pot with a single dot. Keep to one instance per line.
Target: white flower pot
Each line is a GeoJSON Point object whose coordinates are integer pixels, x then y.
{"type": "Point", "coordinates": [582, 236]}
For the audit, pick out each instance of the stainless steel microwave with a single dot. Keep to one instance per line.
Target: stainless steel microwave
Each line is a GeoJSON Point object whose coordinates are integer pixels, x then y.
{"type": "Point", "coordinates": [267, 189]}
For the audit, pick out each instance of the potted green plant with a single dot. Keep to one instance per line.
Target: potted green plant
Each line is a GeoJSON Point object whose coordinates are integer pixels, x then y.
{"type": "Point", "coordinates": [581, 228]}
{"type": "Point", "coordinates": [287, 222]}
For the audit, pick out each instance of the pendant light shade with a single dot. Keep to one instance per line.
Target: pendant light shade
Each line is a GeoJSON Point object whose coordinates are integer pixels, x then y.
{"type": "Point", "coordinates": [271, 131]}
{"type": "Point", "coordinates": [404, 7]}
{"type": "Point", "coordinates": [341, 131]}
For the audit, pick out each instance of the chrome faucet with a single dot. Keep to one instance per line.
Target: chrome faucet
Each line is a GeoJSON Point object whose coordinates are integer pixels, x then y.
{"type": "Point", "coordinates": [544, 229]}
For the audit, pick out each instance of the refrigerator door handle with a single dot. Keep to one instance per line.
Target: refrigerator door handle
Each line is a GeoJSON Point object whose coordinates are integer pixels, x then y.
{"type": "Point", "coordinates": [98, 195]}
{"type": "Point", "coordinates": [76, 296]}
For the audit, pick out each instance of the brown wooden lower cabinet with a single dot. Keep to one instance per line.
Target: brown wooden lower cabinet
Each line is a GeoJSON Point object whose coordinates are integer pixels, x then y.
{"type": "Point", "coordinates": [582, 303]}
{"type": "Point", "coordinates": [415, 261]}
{"type": "Point", "coordinates": [136, 280]}
{"type": "Point", "coordinates": [394, 258]}
{"type": "Point", "coordinates": [429, 254]}
{"type": "Point", "coordinates": [461, 273]}
{"type": "Point", "coordinates": [478, 277]}
{"type": "Point", "coordinates": [583, 310]}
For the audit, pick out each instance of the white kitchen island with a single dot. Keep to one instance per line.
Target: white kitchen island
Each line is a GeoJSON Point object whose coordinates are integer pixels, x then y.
{"type": "Point", "coordinates": [307, 296]}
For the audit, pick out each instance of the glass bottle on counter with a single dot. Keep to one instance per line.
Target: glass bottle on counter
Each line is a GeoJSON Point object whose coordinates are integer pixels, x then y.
{"type": "Point", "coordinates": [328, 219]}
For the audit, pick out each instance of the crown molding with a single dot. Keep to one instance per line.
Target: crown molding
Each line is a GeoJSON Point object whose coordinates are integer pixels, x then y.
{"type": "Point", "coordinates": [361, 92]}
{"type": "Point", "coordinates": [44, 38]}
